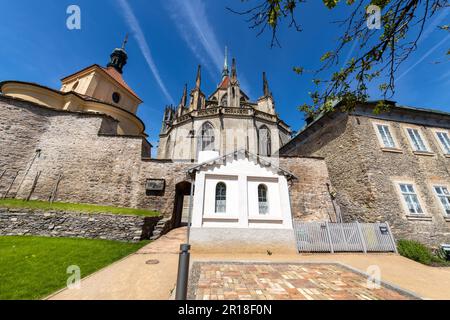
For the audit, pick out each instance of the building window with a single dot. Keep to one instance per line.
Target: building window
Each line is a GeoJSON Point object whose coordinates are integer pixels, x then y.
{"type": "Point", "coordinates": [444, 198]}
{"type": "Point", "coordinates": [221, 198]}
{"type": "Point", "coordinates": [416, 139]}
{"type": "Point", "coordinates": [386, 136]}
{"type": "Point", "coordinates": [75, 85]}
{"type": "Point", "coordinates": [411, 199]}
{"type": "Point", "coordinates": [262, 199]}
{"type": "Point", "coordinates": [207, 139]}
{"type": "Point", "coordinates": [116, 97]}
{"type": "Point", "coordinates": [444, 140]}
{"type": "Point", "coordinates": [167, 147]}
{"type": "Point", "coordinates": [264, 142]}
{"type": "Point", "coordinates": [224, 101]}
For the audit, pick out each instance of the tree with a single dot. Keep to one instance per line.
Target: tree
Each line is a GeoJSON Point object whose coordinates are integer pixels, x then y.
{"type": "Point", "coordinates": [381, 51]}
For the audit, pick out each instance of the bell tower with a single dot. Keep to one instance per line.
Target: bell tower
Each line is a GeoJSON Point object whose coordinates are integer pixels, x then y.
{"type": "Point", "coordinates": [119, 57]}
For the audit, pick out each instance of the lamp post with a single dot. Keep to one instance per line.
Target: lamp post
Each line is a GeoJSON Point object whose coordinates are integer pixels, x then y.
{"type": "Point", "coordinates": [184, 258]}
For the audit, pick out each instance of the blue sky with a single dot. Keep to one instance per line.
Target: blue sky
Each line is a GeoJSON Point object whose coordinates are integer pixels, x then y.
{"type": "Point", "coordinates": [171, 37]}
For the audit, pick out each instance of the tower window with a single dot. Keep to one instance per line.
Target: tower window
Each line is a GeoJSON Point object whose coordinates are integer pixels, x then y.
{"type": "Point", "coordinates": [75, 85]}
{"type": "Point", "coordinates": [116, 97]}
{"type": "Point", "coordinates": [221, 198]}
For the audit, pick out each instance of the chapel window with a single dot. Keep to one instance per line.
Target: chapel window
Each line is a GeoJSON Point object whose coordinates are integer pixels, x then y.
{"type": "Point", "coordinates": [221, 198]}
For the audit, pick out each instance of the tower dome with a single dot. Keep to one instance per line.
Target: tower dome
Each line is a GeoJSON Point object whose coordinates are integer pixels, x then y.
{"type": "Point", "coordinates": [119, 57]}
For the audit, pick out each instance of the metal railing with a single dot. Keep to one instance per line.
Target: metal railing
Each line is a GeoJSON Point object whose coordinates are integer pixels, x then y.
{"type": "Point", "coordinates": [344, 237]}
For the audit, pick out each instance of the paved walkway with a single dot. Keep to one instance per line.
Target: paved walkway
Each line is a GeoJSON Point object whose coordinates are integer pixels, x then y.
{"type": "Point", "coordinates": [133, 278]}
{"type": "Point", "coordinates": [281, 281]}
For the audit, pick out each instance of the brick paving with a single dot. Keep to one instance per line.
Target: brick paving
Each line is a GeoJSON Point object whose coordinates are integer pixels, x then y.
{"type": "Point", "coordinates": [275, 281]}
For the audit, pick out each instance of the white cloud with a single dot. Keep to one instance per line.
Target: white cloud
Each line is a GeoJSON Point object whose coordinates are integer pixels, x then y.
{"type": "Point", "coordinates": [191, 19]}
{"type": "Point", "coordinates": [426, 55]}
{"type": "Point", "coordinates": [138, 34]}
{"type": "Point", "coordinates": [193, 25]}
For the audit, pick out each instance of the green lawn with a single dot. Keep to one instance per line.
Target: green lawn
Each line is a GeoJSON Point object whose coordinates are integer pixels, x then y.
{"type": "Point", "coordinates": [34, 267]}
{"type": "Point", "coordinates": [88, 208]}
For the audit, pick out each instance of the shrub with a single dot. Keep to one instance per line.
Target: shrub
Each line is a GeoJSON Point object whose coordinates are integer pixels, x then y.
{"type": "Point", "coordinates": [418, 252]}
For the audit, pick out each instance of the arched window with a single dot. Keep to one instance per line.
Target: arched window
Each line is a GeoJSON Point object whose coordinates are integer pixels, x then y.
{"type": "Point", "coordinates": [167, 147]}
{"type": "Point", "coordinates": [224, 101]}
{"type": "Point", "coordinates": [264, 142]}
{"type": "Point", "coordinates": [207, 139]}
{"type": "Point", "coordinates": [221, 198]}
{"type": "Point", "coordinates": [262, 199]}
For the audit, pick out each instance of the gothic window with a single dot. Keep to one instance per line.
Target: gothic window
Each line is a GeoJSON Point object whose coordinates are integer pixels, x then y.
{"type": "Point", "coordinates": [167, 151]}
{"type": "Point", "coordinates": [221, 198]}
{"type": "Point", "coordinates": [224, 101]}
{"type": "Point", "coordinates": [207, 138]}
{"type": "Point", "coordinates": [262, 199]}
{"type": "Point", "coordinates": [264, 142]}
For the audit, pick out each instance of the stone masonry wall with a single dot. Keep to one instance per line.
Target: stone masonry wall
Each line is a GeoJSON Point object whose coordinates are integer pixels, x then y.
{"type": "Point", "coordinates": [99, 168]}
{"type": "Point", "coordinates": [365, 176]}
{"type": "Point", "coordinates": [96, 169]}
{"type": "Point", "coordinates": [76, 225]}
{"type": "Point", "coordinates": [310, 199]}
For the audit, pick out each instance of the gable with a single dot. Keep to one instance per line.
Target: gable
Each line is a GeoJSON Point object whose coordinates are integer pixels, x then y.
{"type": "Point", "coordinates": [242, 161]}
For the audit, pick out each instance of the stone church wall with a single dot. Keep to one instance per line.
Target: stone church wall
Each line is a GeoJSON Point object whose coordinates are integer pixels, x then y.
{"type": "Point", "coordinates": [364, 176]}
{"type": "Point", "coordinates": [100, 168]}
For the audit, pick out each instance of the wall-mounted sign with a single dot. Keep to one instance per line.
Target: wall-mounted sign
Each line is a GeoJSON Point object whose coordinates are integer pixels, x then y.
{"type": "Point", "coordinates": [155, 185]}
{"type": "Point", "coordinates": [384, 230]}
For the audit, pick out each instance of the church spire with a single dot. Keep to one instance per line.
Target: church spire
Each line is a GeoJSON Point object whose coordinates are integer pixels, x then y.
{"type": "Point", "coordinates": [225, 71]}
{"type": "Point", "coordinates": [184, 97]}
{"type": "Point", "coordinates": [119, 57]}
{"type": "Point", "coordinates": [266, 86]}
{"type": "Point", "coordinates": [233, 70]}
{"type": "Point", "coordinates": [198, 81]}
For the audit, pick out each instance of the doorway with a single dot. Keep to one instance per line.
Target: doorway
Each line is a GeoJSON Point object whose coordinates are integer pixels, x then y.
{"type": "Point", "coordinates": [180, 215]}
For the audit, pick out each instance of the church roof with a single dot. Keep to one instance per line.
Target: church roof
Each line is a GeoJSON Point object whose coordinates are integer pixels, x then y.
{"type": "Point", "coordinates": [224, 83]}
{"type": "Point", "coordinates": [242, 153]}
{"type": "Point", "coordinates": [111, 73]}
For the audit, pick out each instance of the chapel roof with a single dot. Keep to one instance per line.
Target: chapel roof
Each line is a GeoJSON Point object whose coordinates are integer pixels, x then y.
{"type": "Point", "coordinates": [246, 154]}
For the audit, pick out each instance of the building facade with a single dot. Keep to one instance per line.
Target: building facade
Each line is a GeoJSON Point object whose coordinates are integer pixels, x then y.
{"type": "Point", "coordinates": [94, 89]}
{"type": "Point", "coordinates": [241, 204]}
{"type": "Point", "coordinates": [393, 166]}
{"type": "Point", "coordinates": [225, 121]}
{"type": "Point", "coordinates": [85, 144]}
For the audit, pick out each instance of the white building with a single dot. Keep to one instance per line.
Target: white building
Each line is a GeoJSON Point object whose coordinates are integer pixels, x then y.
{"type": "Point", "coordinates": [241, 204]}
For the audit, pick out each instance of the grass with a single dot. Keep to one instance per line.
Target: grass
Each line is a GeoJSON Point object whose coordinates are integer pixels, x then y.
{"type": "Point", "coordinates": [78, 207]}
{"type": "Point", "coordinates": [34, 267]}
{"type": "Point", "coordinates": [417, 251]}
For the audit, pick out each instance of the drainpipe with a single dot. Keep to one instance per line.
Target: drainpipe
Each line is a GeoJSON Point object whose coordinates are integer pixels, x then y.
{"type": "Point", "coordinates": [336, 208]}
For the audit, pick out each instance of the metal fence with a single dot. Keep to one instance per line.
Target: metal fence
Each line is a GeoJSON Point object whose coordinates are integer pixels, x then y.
{"type": "Point", "coordinates": [344, 237]}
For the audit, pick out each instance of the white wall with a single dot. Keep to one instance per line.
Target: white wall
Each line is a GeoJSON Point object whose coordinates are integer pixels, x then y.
{"type": "Point", "coordinates": [242, 178]}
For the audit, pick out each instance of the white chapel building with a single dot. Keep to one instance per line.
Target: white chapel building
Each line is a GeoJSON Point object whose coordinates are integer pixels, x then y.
{"type": "Point", "coordinates": [241, 204]}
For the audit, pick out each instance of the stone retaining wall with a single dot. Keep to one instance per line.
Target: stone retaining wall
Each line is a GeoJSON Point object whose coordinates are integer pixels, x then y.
{"type": "Point", "coordinates": [76, 225]}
